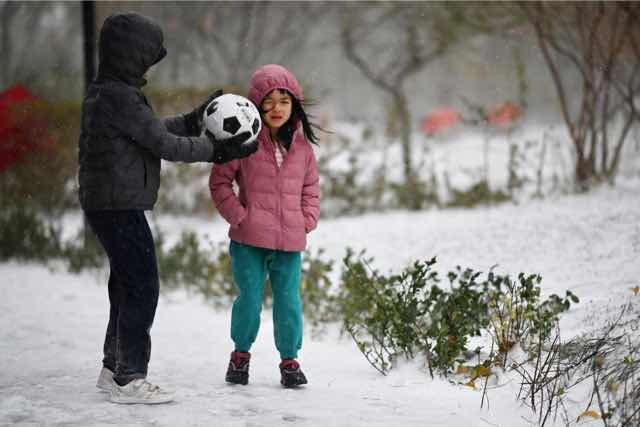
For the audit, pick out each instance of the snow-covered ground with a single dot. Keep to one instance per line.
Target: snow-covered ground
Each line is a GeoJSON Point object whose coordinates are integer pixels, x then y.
{"type": "Point", "coordinates": [52, 323]}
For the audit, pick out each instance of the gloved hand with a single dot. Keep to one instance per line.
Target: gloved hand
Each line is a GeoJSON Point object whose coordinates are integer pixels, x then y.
{"type": "Point", "coordinates": [225, 150]}
{"type": "Point", "coordinates": [193, 120]}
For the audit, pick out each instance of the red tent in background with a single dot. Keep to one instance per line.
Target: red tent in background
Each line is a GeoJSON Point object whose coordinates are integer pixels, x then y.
{"type": "Point", "coordinates": [439, 120]}
{"type": "Point", "coordinates": [504, 115]}
{"type": "Point", "coordinates": [21, 129]}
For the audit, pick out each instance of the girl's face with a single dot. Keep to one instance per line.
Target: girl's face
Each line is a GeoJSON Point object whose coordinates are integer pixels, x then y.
{"type": "Point", "coordinates": [276, 109]}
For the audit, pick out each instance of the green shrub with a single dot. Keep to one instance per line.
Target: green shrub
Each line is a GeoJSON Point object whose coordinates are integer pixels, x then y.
{"type": "Point", "coordinates": [83, 252]}
{"type": "Point", "coordinates": [479, 193]}
{"type": "Point", "coordinates": [341, 188]}
{"type": "Point", "coordinates": [408, 314]}
{"type": "Point", "coordinates": [517, 313]}
{"type": "Point", "coordinates": [204, 269]}
{"type": "Point", "coordinates": [26, 235]}
{"type": "Point", "coordinates": [318, 303]}
{"type": "Point", "coordinates": [416, 194]}
{"type": "Point", "coordinates": [459, 313]}
{"type": "Point", "coordinates": [185, 264]}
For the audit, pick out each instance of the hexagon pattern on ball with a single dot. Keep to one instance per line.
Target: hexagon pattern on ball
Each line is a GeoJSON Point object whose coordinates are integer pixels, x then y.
{"type": "Point", "coordinates": [232, 114]}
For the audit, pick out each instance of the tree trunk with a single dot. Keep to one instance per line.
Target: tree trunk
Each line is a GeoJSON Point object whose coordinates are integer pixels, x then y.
{"type": "Point", "coordinates": [412, 199]}
{"type": "Point", "coordinates": [7, 12]}
{"type": "Point", "coordinates": [584, 171]}
{"type": "Point", "coordinates": [89, 41]}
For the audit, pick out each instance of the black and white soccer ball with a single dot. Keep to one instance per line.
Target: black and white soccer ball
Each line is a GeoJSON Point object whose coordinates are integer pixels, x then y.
{"type": "Point", "coordinates": [229, 115]}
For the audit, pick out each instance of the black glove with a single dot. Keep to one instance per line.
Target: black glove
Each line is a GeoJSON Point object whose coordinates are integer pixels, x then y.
{"type": "Point", "coordinates": [225, 150]}
{"type": "Point", "coordinates": [193, 120]}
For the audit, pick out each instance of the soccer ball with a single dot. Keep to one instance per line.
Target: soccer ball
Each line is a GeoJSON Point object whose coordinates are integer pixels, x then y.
{"type": "Point", "coordinates": [229, 115]}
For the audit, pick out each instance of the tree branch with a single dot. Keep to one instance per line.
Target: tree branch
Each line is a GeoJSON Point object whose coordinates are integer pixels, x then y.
{"type": "Point", "coordinates": [553, 68]}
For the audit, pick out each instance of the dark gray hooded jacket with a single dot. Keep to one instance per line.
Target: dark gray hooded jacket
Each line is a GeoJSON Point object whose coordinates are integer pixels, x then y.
{"type": "Point", "coordinates": [121, 140]}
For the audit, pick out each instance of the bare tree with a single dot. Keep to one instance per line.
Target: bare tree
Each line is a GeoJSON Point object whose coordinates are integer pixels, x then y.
{"type": "Point", "coordinates": [227, 39]}
{"type": "Point", "coordinates": [38, 46]}
{"type": "Point", "coordinates": [13, 16]}
{"type": "Point", "coordinates": [245, 35]}
{"type": "Point", "coordinates": [389, 43]}
{"type": "Point", "coordinates": [599, 42]}
{"type": "Point", "coordinates": [7, 12]}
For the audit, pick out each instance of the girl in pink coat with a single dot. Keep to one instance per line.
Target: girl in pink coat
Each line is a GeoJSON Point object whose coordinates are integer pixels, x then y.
{"type": "Point", "coordinates": [277, 204]}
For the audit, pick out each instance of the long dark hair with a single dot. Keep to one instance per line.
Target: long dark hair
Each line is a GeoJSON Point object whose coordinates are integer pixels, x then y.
{"type": "Point", "coordinates": [286, 131]}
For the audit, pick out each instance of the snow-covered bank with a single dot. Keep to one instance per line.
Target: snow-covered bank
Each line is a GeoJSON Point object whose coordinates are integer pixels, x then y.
{"type": "Point", "coordinates": [52, 323]}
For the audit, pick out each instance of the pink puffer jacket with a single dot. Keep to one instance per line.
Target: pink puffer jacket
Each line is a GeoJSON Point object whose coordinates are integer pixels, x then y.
{"type": "Point", "coordinates": [275, 207]}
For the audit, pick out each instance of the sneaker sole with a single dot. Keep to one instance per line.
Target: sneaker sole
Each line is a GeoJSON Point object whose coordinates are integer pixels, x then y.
{"type": "Point", "coordinates": [292, 385]}
{"type": "Point", "coordinates": [237, 382]}
{"type": "Point", "coordinates": [140, 402]}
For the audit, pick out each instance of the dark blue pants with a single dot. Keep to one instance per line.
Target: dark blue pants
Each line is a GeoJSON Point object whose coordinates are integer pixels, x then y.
{"type": "Point", "coordinates": [133, 290]}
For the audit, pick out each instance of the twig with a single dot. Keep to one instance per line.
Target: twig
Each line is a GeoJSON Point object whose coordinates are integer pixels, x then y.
{"type": "Point", "coordinates": [484, 390]}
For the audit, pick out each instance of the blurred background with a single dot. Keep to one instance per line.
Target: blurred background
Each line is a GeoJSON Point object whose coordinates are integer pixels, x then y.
{"type": "Point", "coordinates": [426, 104]}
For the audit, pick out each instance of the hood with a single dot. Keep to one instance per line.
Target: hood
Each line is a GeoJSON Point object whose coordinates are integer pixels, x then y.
{"type": "Point", "coordinates": [129, 45]}
{"type": "Point", "coordinates": [270, 77]}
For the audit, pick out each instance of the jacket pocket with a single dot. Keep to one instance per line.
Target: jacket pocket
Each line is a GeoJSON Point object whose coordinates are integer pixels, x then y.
{"type": "Point", "coordinates": [243, 219]}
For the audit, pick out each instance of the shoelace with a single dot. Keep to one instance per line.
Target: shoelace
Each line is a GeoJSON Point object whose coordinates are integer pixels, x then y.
{"type": "Point", "coordinates": [239, 363]}
{"type": "Point", "coordinates": [152, 387]}
{"type": "Point", "coordinates": [148, 387]}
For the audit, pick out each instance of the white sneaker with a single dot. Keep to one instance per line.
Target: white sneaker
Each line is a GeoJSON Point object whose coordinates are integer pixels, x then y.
{"type": "Point", "coordinates": [140, 391]}
{"type": "Point", "coordinates": [105, 380]}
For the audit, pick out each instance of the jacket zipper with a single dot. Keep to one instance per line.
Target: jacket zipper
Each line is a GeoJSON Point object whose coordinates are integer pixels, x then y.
{"type": "Point", "coordinates": [279, 242]}
{"type": "Point", "coordinates": [279, 196]}
{"type": "Point", "coordinates": [144, 165]}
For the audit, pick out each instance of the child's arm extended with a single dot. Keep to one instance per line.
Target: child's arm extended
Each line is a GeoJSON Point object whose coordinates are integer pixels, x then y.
{"type": "Point", "coordinates": [189, 124]}
{"type": "Point", "coordinates": [222, 194]}
{"type": "Point", "coordinates": [135, 119]}
{"type": "Point", "coordinates": [176, 125]}
{"type": "Point", "coordinates": [311, 194]}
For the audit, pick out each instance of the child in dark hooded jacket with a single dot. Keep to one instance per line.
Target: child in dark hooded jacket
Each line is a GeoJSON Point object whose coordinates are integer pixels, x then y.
{"type": "Point", "coordinates": [120, 150]}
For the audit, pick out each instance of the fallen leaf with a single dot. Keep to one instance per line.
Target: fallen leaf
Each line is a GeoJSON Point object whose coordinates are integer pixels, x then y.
{"type": "Point", "coordinates": [462, 369]}
{"type": "Point", "coordinates": [590, 414]}
{"type": "Point", "coordinates": [481, 371]}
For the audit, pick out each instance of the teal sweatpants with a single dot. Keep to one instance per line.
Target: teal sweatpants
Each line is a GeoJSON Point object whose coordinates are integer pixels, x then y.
{"type": "Point", "coordinates": [250, 266]}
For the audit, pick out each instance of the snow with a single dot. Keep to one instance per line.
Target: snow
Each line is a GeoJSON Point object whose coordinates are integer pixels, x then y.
{"type": "Point", "coordinates": [52, 323]}
{"type": "Point", "coordinates": [467, 155]}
